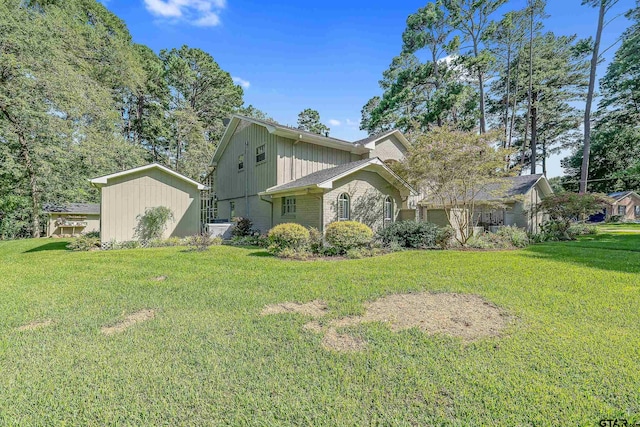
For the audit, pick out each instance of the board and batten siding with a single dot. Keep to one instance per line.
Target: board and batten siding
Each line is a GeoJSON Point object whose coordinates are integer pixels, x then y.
{"type": "Point", "coordinates": [367, 191]}
{"type": "Point", "coordinates": [299, 159]}
{"type": "Point", "coordinates": [389, 148]}
{"type": "Point", "coordinates": [126, 197]}
{"type": "Point", "coordinates": [231, 183]}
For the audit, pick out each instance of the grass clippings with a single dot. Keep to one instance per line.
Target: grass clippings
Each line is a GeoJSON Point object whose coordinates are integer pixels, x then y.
{"type": "Point", "coordinates": [36, 325]}
{"type": "Point", "coordinates": [315, 308]}
{"type": "Point", "coordinates": [129, 321]}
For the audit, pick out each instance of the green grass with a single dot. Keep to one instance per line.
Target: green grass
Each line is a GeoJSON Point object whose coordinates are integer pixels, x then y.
{"type": "Point", "coordinates": [209, 358]}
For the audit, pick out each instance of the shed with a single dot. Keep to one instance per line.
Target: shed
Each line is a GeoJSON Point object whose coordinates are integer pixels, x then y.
{"type": "Point", "coordinates": [72, 218]}
{"type": "Point", "coordinates": [126, 195]}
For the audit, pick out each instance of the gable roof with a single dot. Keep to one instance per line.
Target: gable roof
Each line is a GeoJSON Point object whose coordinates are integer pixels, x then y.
{"type": "Point", "coordinates": [325, 178]}
{"type": "Point", "coordinates": [509, 188]}
{"type": "Point", "coordinates": [287, 132]}
{"type": "Point", "coordinates": [72, 208]}
{"type": "Point", "coordinates": [102, 180]}
{"type": "Point", "coordinates": [370, 141]}
{"type": "Point", "coordinates": [619, 195]}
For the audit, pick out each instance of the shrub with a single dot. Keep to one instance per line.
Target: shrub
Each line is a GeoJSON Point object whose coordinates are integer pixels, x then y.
{"type": "Point", "coordinates": [614, 218]}
{"type": "Point", "coordinates": [480, 241]}
{"type": "Point", "coordinates": [297, 254]}
{"type": "Point", "coordinates": [581, 229]}
{"type": "Point", "coordinates": [359, 253]}
{"type": "Point", "coordinates": [262, 241]}
{"type": "Point", "coordinates": [242, 228]}
{"type": "Point", "coordinates": [410, 234]}
{"type": "Point", "coordinates": [517, 237]}
{"type": "Point", "coordinates": [316, 244]}
{"type": "Point", "coordinates": [94, 234]}
{"type": "Point", "coordinates": [84, 243]}
{"type": "Point", "coordinates": [288, 236]}
{"type": "Point", "coordinates": [345, 235]}
{"type": "Point", "coordinates": [201, 242]}
{"type": "Point", "coordinates": [445, 236]}
{"type": "Point", "coordinates": [153, 223]}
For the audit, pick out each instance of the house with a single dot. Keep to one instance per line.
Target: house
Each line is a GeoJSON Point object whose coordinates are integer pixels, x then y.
{"type": "Point", "coordinates": [72, 218]}
{"type": "Point", "coordinates": [126, 195]}
{"type": "Point", "coordinates": [517, 197]}
{"type": "Point", "coordinates": [274, 174]}
{"type": "Point", "coordinates": [626, 205]}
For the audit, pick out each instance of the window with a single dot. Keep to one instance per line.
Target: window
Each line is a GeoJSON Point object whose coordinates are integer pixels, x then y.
{"type": "Point", "coordinates": [343, 207]}
{"type": "Point", "coordinates": [388, 209]}
{"type": "Point", "coordinates": [241, 162]}
{"type": "Point", "coordinates": [232, 210]}
{"type": "Point", "coordinates": [288, 206]}
{"type": "Point", "coordinates": [260, 154]}
{"type": "Point", "coordinates": [622, 210]}
{"type": "Point", "coordinates": [636, 210]}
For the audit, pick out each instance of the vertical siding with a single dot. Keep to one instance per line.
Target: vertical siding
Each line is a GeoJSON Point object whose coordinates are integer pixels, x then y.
{"type": "Point", "coordinates": [124, 198]}
{"type": "Point", "coordinates": [367, 191]}
{"type": "Point", "coordinates": [296, 160]}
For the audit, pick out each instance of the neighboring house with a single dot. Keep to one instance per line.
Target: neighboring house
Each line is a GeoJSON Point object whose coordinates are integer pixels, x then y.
{"type": "Point", "coordinates": [626, 205]}
{"type": "Point", "coordinates": [274, 174]}
{"type": "Point", "coordinates": [518, 196]}
{"type": "Point", "coordinates": [126, 195]}
{"type": "Point", "coordinates": [72, 218]}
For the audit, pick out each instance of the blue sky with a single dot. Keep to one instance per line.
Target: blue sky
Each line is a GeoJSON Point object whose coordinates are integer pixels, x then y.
{"type": "Point", "coordinates": [291, 55]}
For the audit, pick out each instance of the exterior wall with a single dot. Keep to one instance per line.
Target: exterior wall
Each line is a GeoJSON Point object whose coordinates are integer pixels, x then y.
{"type": "Point", "coordinates": [92, 220]}
{"type": "Point", "coordinates": [367, 191]}
{"type": "Point", "coordinates": [126, 197]}
{"type": "Point", "coordinates": [295, 160]}
{"type": "Point", "coordinates": [259, 211]}
{"type": "Point", "coordinates": [630, 202]}
{"type": "Point", "coordinates": [308, 211]}
{"type": "Point", "coordinates": [389, 148]}
{"type": "Point", "coordinates": [230, 183]}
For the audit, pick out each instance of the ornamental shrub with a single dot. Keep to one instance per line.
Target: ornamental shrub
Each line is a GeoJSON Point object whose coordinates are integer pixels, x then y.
{"type": "Point", "coordinates": [84, 243]}
{"type": "Point", "coordinates": [517, 237]}
{"type": "Point", "coordinates": [242, 228]}
{"type": "Point", "coordinates": [345, 235]}
{"type": "Point", "coordinates": [410, 234]}
{"type": "Point", "coordinates": [581, 229]}
{"type": "Point", "coordinates": [153, 223]}
{"type": "Point", "coordinates": [287, 236]}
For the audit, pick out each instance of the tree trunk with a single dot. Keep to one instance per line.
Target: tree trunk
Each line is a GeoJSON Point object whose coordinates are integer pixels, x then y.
{"type": "Point", "coordinates": [483, 125]}
{"type": "Point", "coordinates": [584, 170]}
{"type": "Point", "coordinates": [534, 132]}
{"type": "Point", "coordinates": [507, 103]}
{"type": "Point", "coordinates": [544, 157]}
{"type": "Point", "coordinates": [526, 126]}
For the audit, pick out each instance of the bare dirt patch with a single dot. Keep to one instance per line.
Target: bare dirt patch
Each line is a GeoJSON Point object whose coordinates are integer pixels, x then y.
{"type": "Point", "coordinates": [314, 326]}
{"type": "Point", "coordinates": [129, 321]}
{"type": "Point", "coordinates": [342, 342]}
{"type": "Point", "coordinates": [36, 325]}
{"type": "Point", "coordinates": [469, 317]}
{"type": "Point", "coordinates": [160, 278]}
{"type": "Point", "coordinates": [315, 308]}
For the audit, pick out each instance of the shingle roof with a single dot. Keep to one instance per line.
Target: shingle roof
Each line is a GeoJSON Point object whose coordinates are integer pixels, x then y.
{"type": "Point", "coordinates": [512, 186]}
{"type": "Point", "coordinates": [368, 139]}
{"type": "Point", "coordinates": [320, 176]}
{"type": "Point", "coordinates": [85, 208]}
{"type": "Point", "coordinates": [619, 194]}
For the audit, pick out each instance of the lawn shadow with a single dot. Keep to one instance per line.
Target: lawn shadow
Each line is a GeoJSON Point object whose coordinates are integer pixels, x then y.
{"type": "Point", "coordinates": [610, 252]}
{"type": "Point", "coordinates": [51, 246]}
{"type": "Point", "coordinates": [259, 254]}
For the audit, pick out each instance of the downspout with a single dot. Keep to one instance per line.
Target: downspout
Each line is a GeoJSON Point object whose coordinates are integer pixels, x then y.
{"type": "Point", "coordinates": [246, 180]}
{"type": "Point", "coordinates": [270, 210]}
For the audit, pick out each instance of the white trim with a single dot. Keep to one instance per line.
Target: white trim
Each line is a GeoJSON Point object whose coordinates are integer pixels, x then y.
{"type": "Point", "coordinates": [102, 180]}
{"type": "Point", "coordinates": [629, 193]}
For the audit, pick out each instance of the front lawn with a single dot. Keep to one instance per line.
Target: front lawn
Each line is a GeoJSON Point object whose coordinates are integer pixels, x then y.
{"type": "Point", "coordinates": [570, 356]}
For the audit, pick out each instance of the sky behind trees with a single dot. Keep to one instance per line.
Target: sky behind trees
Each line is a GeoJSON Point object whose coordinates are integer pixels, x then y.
{"type": "Point", "coordinates": [290, 55]}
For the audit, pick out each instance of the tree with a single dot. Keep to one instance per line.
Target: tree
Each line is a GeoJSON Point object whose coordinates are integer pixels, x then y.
{"type": "Point", "coordinates": [472, 19]}
{"type": "Point", "coordinates": [615, 148]}
{"type": "Point", "coordinates": [453, 168]}
{"type": "Point", "coordinates": [309, 120]}
{"type": "Point", "coordinates": [251, 111]}
{"type": "Point", "coordinates": [566, 208]}
{"type": "Point", "coordinates": [603, 7]}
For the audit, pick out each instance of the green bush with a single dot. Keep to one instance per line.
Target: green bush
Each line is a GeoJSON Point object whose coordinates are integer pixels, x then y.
{"type": "Point", "coordinates": [201, 242]}
{"type": "Point", "coordinates": [288, 236]}
{"type": "Point", "coordinates": [242, 228]}
{"type": "Point", "coordinates": [345, 235]}
{"type": "Point", "coordinates": [480, 241]}
{"type": "Point", "coordinates": [410, 234]}
{"type": "Point", "coordinates": [84, 243]}
{"type": "Point", "coordinates": [153, 223]}
{"type": "Point", "coordinates": [262, 241]}
{"type": "Point", "coordinates": [316, 243]}
{"type": "Point", "coordinates": [517, 237]}
{"type": "Point", "coordinates": [581, 229]}
{"type": "Point", "coordinates": [297, 254]}
{"type": "Point", "coordinates": [445, 236]}
{"type": "Point", "coordinates": [95, 234]}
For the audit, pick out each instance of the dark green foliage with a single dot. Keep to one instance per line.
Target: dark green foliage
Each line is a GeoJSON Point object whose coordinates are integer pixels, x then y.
{"type": "Point", "coordinates": [309, 120]}
{"type": "Point", "coordinates": [566, 208]}
{"type": "Point", "coordinates": [410, 234]}
{"type": "Point", "coordinates": [84, 242]}
{"type": "Point", "coordinates": [152, 224]}
{"type": "Point", "coordinates": [242, 228]}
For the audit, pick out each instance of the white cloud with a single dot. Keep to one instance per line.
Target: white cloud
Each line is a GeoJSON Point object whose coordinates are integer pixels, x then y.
{"type": "Point", "coordinates": [241, 82]}
{"type": "Point", "coordinates": [334, 122]}
{"type": "Point", "coordinates": [352, 123]}
{"type": "Point", "coordinates": [202, 13]}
